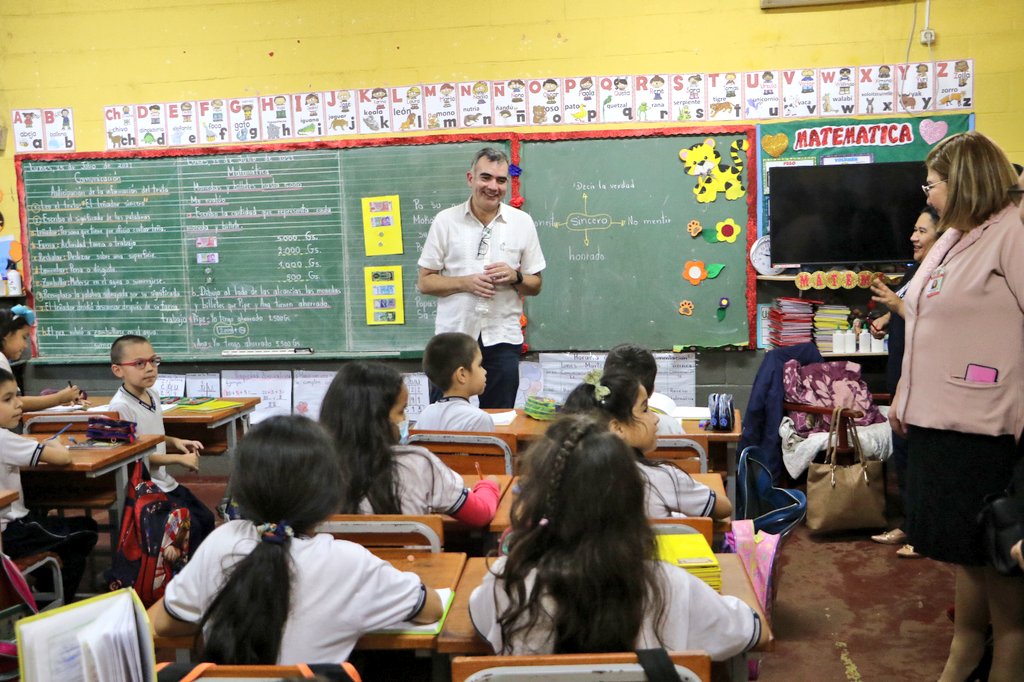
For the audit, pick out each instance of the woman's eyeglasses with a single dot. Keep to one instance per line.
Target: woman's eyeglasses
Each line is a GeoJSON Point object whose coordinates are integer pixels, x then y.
{"type": "Point", "coordinates": [141, 363]}
{"type": "Point", "coordinates": [928, 188]}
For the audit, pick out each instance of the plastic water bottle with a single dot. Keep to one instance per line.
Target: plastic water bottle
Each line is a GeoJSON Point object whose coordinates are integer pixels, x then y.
{"type": "Point", "coordinates": [14, 283]}
{"type": "Point", "coordinates": [482, 307]}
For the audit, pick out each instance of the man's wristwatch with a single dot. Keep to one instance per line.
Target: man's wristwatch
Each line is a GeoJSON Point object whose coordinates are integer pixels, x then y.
{"type": "Point", "coordinates": [519, 278]}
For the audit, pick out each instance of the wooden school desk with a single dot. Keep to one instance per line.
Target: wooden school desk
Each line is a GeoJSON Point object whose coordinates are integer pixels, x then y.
{"type": "Point", "coordinates": [437, 571]}
{"type": "Point", "coordinates": [206, 426]}
{"type": "Point", "coordinates": [503, 516]}
{"type": "Point", "coordinates": [458, 636]}
{"type": "Point", "coordinates": [7, 498]}
{"type": "Point", "coordinates": [46, 484]}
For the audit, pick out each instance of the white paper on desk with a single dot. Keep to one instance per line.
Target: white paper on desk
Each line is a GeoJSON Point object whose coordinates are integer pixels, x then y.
{"type": "Point", "coordinates": [410, 628]}
{"type": "Point", "coordinates": [419, 394]}
{"type": "Point", "coordinates": [99, 408]}
{"type": "Point", "coordinates": [60, 409]}
{"type": "Point", "coordinates": [691, 413]}
{"type": "Point", "coordinates": [170, 385]}
{"type": "Point", "coordinates": [202, 385]}
{"type": "Point", "coordinates": [274, 389]}
{"type": "Point", "coordinates": [504, 418]}
{"type": "Point", "coordinates": [309, 389]}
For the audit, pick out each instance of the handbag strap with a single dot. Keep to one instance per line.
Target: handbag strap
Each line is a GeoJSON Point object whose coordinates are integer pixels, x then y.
{"type": "Point", "coordinates": [832, 442]}
{"type": "Point", "coordinates": [657, 665]}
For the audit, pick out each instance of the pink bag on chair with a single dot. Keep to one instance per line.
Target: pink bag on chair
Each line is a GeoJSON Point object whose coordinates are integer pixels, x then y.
{"type": "Point", "coordinates": [14, 592]}
{"type": "Point", "coordinates": [757, 552]}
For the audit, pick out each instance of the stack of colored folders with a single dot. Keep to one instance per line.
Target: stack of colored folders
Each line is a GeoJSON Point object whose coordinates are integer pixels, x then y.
{"type": "Point", "coordinates": [543, 409]}
{"type": "Point", "coordinates": [790, 321]}
{"type": "Point", "coordinates": [692, 552]}
{"type": "Point", "coordinates": [828, 319]}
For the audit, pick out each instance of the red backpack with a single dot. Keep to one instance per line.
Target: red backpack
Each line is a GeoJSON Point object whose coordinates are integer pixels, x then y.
{"type": "Point", "coordinates": [153, 543]}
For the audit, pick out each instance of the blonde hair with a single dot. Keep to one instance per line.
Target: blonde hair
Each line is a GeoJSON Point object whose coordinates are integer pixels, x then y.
{"type": "Point", "coordinates": [977, 174]}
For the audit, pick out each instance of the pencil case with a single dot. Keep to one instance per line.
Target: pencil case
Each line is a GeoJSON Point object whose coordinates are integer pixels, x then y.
{"type": "Point", "coordinates": [112, 430]}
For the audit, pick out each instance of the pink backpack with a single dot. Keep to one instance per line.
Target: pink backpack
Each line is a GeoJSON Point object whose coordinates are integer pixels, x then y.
{"type": "Point", "coordinates": [17, 602]}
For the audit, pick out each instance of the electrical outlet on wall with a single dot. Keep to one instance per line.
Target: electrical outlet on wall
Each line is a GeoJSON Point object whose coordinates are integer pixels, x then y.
{"type": "Point", "coordinates": [928, 36]}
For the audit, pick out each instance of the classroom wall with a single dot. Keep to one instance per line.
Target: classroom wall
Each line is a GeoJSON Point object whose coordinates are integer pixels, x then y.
{"type": "Point", "coordinates": [90, 53]}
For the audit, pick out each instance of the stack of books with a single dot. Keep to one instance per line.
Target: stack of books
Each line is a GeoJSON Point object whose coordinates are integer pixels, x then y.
{"type": "Point", "coordinates": [692, 552]}
{"type": "Point", "coordinates": [790, 321]}
{"type": "Point", "coordinates": [828, 319]}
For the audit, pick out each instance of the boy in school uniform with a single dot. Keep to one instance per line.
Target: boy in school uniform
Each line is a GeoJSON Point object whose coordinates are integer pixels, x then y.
{"type": "Point", "coordinates": [26, 533]}
{"type": "Point", "coordinates": [639, 362]}
{"type": "Point", "coordinates": [135, 363]}
{"type": "Point", "coordinates": [453, 362]}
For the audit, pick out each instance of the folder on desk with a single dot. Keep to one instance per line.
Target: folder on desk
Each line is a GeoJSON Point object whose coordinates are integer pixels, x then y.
{"type": "Point", "coordinates": [409, 628]}
{"type": "Point", "coordinates": [692, 552]}
{"type": "Point", "coordinates": [210, 406]}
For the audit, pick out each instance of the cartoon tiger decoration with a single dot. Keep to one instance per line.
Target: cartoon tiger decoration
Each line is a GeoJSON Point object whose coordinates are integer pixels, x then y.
{"type": "Point", "coordinates": [703, 161]}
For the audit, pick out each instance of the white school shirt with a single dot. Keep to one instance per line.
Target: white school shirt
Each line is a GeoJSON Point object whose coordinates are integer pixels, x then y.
{"type": "Point", "coordinates": [16, 452]}
{"type": "Point", "coordinates": [451, 248]}
{"type": "Point", "coordinates": [149, 420]}
{"type": "Point", "coordinates": [696, 617]}
{"type": "Point", "coordinates": [339, 591]}
{"type": "Point", "coordinates": [454, 414]}
{"type": "Point", "coordinates": [425, 484]}
{"type": "Point", "coordinates": [670, 491]}
{"type": "Point", "coordinates": [5, 363]}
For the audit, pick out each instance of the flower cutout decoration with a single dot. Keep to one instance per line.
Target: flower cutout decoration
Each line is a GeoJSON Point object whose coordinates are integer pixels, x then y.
{"type": "Point", "coordinates": [694, 272]}
{"type": "Point", "coordinates": [694, 228]}
{"type": "Point", "coordinates": [686, 308]}
{"type": "Point", "coordinates": [516, 202]}
{"type": "Point", "coordinates": [514, 170]}
{"type": "Point", "coordinates": [727, 230]}
{"type": "Point", "coordinates": [723, 305]}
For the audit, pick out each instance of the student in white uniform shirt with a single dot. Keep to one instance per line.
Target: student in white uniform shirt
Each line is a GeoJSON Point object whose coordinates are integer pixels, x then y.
{"type": "Point", "coordinates": [480, 259]}
{"type": "Point", "coordinates": [325, 593]}
{"type": "Point", "coordinates": [364, 410]}
{"type": "Point", "coordinates": [620, 401]}
{"type": "Point", "coordinates": [135, 363]}
{"type": "Point", "coordinates": [24, 532]}
{"type": "Point", "coordinates": [582, 554]}
{"type": "Point", "coordinates": [634, 359]}
{"type": "Point", "coordinates": [453, 362]}
{"type": "Point", "coordinates": [15, 338]}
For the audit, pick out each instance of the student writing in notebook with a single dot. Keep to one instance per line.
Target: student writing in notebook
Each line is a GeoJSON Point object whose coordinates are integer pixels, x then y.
{"type": "Point", "coordinates": [268, 589]}
{"type": "Point", "coordinates": [581, 574]}
{"type": "Point", "coordinates": [134, 361]}
{"type": "Point", "coordinates": [620, 402]}
{"type": "Point", "coordinates": [24, 532]}
{"type": "Point", "coordinates": [453, 362]}
{"type": "Point", "coordinates": [364, 410]}
{"type": "Point", "coordinates": [15, 324]}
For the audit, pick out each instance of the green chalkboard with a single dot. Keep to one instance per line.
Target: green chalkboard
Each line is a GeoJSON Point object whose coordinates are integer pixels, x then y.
{"type": "Point", "coordinates": [215, 253]}
{"type": "Point", "coordinates": [612, 215]}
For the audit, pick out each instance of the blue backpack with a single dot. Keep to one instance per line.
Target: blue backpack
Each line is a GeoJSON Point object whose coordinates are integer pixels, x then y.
{"type": "Point", "coordinates": [773, 510]}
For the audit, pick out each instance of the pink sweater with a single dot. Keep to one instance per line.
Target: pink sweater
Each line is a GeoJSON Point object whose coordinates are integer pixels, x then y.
{"type": "Point", "coordinates": [966, 306]}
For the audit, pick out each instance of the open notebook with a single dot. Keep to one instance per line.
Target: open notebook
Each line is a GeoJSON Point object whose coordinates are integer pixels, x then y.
{"type": "Point", "coordinates": [103, 639]}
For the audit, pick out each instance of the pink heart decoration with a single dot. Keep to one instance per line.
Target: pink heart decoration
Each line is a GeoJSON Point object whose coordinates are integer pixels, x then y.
{"type": "Point", "coordinates": [933, 131]}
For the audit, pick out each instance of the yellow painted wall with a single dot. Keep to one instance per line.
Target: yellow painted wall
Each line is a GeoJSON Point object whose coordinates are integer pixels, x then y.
{"type": "Point", "coordinates": [89, 53]}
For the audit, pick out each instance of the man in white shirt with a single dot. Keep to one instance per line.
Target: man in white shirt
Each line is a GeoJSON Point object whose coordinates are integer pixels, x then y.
{"type": "Point", "coordinates": [480, 258]}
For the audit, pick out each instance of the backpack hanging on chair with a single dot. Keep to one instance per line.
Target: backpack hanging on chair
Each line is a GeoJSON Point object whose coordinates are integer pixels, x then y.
{"type": "Point", "coordinates": [16, 601]}
{"type": "Point", "coordinates": [153, 543]}
{"type": "Point", "coordinates": [773, 510]}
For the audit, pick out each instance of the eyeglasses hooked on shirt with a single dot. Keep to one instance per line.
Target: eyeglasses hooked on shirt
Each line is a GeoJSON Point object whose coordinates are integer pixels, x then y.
{"type": "Point", "coordinates": [485, 243]}
{"type": "Point", "coordinates": [141, 362]}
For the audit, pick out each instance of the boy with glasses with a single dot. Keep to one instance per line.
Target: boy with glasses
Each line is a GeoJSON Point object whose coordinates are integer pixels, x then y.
{"type": "Point", "coordinates": [135, 363]}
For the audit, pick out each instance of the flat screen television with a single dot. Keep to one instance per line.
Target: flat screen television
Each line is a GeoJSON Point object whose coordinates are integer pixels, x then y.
{"type": "Point", "coordinates": [845, 214]}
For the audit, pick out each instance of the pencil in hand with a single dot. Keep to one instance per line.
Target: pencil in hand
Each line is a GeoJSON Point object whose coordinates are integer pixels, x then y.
{"type": "Point", "coordinates": [479, 471]}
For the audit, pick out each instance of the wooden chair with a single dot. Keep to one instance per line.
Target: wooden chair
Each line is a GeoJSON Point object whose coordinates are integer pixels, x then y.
{"type": "Point", "coordinates": [423, 533]}
{"type": "Point", "coordinates": [692, 666]}
{"type": "Point", "coordinates": [44, 561]}
{"type": "Point", "coordinates": [463, 450]}
{"type": "Point", "coordinates": [680, 525]}
{"type": "Point", "coordinates": [689, 452]}
{"type": "Point", "coordinates": [844, 449]}
{"type": "Point", "coordinates": [243, 673]}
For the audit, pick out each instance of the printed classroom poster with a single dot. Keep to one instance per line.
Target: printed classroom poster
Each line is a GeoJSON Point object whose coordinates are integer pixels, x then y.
{"type": "Point", "coordinates": [875, 93]}
{"type": "Point", "coordinates": [151, 125]}
{"type": "Point", "coordinates": [725, 97]}
{"type": "Point", "coordinates": [244, 119]}
{"type": "Point", "coordinates": [545, 101]}
{"type": "Point", "coordinates": [916, 91]}
{"type": "Point", "coordinates": [407, 108]}
{"type": "Point", "coordinates": [374, 111]}
{"type": "Point", "coordinates": [616, 96]}
{"type": "Point", "coordinates": [308, 115]}
{"type": "Point", "coordinates": [340, 111]}
{"type": "Point", "coordinates": [442, 106]}
{"type": "Point", "coordinates": [213, 121]}
{"type": "Point", "coordinates": [120, 126]}
{"type": "Point", "coordinates": [382, 226]}
{"type": "Point", "coordinates": [837, 91]}
{"type": "Point", "coordinates": [59, 127]}
{"type": "Point", "coordinates": [799, 93]}
{"type": "Point", "coordinates": [689, 97]}
{"type": "Point", "coordinates": [954, 84]}
{"type": "Point", "coordinates": [276, 118]}
{"type": "Point", "coordinates": [475, 104]}
{"type": "Point", "coordinates": [579, 100]}
{"type": "Point", "coordinates": [182, 124]}
{"type": "Point", "coordinates": [652, 99]}
{"type": "Point", "coordinates": [509, 102]}
{"type": "Point", "coordinates": [761, 94]}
